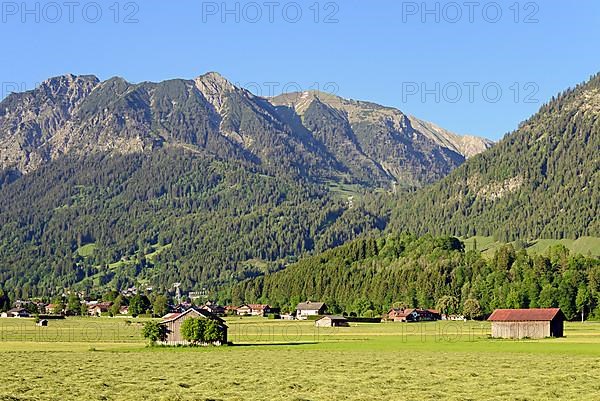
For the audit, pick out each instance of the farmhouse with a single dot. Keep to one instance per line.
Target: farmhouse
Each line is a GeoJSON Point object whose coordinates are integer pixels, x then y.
{"type": "Point", "coordinates": [254, 310]}
{"type": "Point", "coordinates": [259, 309]}
{"type": "Point", "coordinates": [244, 310]}
{"type": "Point", "coordinates": [413, 315]}
{"type": "Point", "coordinates": [215, 309]}
{"type": "Point", "coordinates": [527, 323]}
{"type": "Point", "coordinates": [51, 308]}
{"type": "Point", "coordinates": [99, 309]}
{"type": "Point", "coordinates": [173, 322]}
{"type": "Point", "coordinates": [306, 309]}
{"type": "Point", "coordinates": [231, 310]}
{"type": "Point", "coordinates": [332, 321]}
{"type": "Point", "coordinates": [17, 312]}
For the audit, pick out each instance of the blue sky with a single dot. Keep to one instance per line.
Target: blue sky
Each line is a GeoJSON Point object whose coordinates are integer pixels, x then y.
{"type": "Point", "coordinates": [465, 67]}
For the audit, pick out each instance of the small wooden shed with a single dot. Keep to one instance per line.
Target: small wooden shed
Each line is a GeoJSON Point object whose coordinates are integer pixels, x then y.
{"type": "Point", "coordinates": [527, 323]}
{"type": "Point", "coordinates": [173, 322]}
{"type": "Point", "coordinates": [332, 321]}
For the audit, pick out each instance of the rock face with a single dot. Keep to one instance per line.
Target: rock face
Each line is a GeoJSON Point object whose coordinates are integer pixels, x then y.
{"type": "Point", "coordinates": [466, 145]}
{"type": "Point", "coordinates": [378, 141]}
{"type": "Point", "coordinates": [311, 134]}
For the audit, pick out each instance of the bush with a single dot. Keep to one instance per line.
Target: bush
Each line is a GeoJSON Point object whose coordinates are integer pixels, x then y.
{"type": "Point", "coordinates": [153, 331]}
{"type": "Point", "coordinates": [199, 330]}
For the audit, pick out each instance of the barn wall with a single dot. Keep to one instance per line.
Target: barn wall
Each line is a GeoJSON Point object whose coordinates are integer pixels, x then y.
{"type": "Point", "coordinates": [557, 327]}
{"type": "Point", "coordinates": [520, 329]}
{"type": "Point", "coordinates": [324, 323]}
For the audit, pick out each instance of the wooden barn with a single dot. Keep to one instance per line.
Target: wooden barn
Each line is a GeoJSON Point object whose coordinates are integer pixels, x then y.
{"type": "Point", "coordinates": [527, 323]}
{"type": "Point", "coordinates": [332, 321]}
{"type": "Point", "coordinates": [173, 323]}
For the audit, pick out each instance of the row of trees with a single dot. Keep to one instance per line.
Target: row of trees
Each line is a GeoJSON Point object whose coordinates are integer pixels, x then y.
{"type": "Point", "coordinates": [371, 275]}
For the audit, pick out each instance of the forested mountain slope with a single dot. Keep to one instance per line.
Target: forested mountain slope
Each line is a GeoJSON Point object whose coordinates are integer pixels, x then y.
{"type": "Point", "coordinates": [109, 183]}
{"type": "Point", "coordinates": [162, 217]}
{"type": "Point", "coordinates": [371, 275]}
{"type": "Point", "coordinates": [542, 181]}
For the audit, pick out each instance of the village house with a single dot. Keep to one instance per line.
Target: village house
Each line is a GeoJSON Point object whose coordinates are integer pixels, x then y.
{"type": "Point", "coordinates": [254, 310]}
{"type": "Point", "coordinates": [259, 310]}
{"type": "Point", "coordinates": [231, 310]}
{"type": "Point", "coordinates": [413, 315]}
{"type": "Point", "coordinates": [173, 322]}
{"type": "Point", "coordinates": [244, 310]}
{"type": "Point", "coordinates": [51, 308]}
{"type": "Point", "coordinates": [99, 308]}
{"type": "Point", "coordinates": [215, 309]}
{"type": "Point", "coordinates": [527, 323]}
{"type": "Point", "coordinates": [182, 307]}
{"type": "Point", "coordinates": [306, 309]}
{"type": "Point", "coordinates": [17, 312]}
{"type": "Point", "coordinates": [332, 321]}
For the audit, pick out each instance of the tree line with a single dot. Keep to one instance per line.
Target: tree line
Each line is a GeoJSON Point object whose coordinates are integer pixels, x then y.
{"type": "Point", "coordinates": [371, 275]}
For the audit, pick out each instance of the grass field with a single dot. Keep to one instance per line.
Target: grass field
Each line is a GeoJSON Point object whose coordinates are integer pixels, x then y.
{"type": "Point", "coordinates": [106, 359]}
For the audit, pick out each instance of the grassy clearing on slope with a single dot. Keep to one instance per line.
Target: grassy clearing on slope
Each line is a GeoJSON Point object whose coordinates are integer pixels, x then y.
{"type": "Point", "coordinates": [583, 245]}
{"type": "Point", "coordinates": [295, 361]}
{"type": "Point", "coordinates": [86, 250]}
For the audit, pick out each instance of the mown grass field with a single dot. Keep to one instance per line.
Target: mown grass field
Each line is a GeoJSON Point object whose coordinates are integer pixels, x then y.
{"type": "Point", "coordinates": [106, 359]}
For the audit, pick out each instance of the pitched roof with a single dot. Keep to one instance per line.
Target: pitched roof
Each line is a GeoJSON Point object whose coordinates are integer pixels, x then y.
{"type": "Point", "coordinates": [399, 312]}
{"type": "Point", "coordinates": [335, 318]}
{"type": "Point", "coordinates": [310, 305]}
{"type": "Point", "coordinates": [200, 312]}
{"type": "Point", "coordinates": [258, 306]}
{"type": "Point", "coordinates": [520, 315]}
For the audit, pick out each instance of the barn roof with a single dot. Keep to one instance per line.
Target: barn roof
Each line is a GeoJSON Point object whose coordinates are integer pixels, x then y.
{"type": "Point", "coordinates": [521, 315]}
{"type": "Point", "coordinates": [336, 318]}
{"type": "Point", "coordinates": [310, 305]}
{"type": "Point", "coordinates": [201, 312]}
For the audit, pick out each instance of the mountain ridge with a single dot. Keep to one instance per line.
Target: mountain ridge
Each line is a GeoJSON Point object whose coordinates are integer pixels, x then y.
{"type": "Point", "coordinates": [81, 114]}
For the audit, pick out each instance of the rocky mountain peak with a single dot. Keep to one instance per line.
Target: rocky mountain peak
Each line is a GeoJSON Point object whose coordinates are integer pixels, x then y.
{"type": "Point", "coordinates": [215, 88]}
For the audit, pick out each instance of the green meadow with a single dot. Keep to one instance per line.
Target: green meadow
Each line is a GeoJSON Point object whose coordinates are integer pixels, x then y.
{"type": "Point", "coordinates": [584, 245]}
{"type": "Point", "coordinates": [106, 359]}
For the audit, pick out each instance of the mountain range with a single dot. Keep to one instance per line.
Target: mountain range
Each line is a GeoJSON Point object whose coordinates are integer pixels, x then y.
{"type": "Point", "coordinates": [320, 136]}
{"type": "Point", "coordinates": [111, 184]}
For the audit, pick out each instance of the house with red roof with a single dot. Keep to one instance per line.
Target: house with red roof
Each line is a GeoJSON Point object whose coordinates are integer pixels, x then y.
{"type": "Point", "coordinates": [527, 323]}
{"type": "Point", "coordinates": [413, 315]}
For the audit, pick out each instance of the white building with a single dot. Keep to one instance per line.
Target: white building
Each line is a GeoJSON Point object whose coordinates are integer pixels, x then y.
{"type": "Point", "coordinates": [306, 309]}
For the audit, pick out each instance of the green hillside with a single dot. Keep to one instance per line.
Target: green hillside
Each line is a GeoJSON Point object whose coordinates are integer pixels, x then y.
{"type": "Point", "coordinates": [163, 217]}
{"type": "Point", "coordinates": [370, 275]}
{"type": "Point", "coordinates": [542, 181]}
